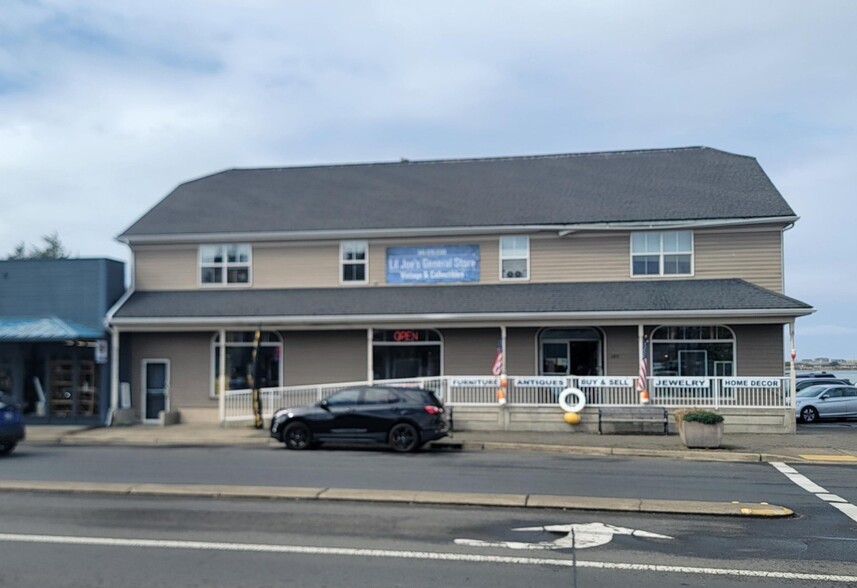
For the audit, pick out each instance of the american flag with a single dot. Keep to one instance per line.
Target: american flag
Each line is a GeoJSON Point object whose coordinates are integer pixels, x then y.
{"type": "Point", "coordinates": [642, 383]}
{"type": "Point", "coordinates": [497, 368]}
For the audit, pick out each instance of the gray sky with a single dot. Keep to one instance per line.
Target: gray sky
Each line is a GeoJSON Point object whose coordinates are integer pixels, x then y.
{"type": "Point", "coordinates": [107, 106]}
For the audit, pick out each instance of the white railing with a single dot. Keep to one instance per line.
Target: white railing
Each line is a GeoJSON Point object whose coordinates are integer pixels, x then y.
{"type": "Point", "coordinates": [672, 392]}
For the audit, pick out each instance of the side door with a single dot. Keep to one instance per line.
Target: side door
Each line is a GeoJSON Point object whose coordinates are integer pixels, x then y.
{"type": "Point", "coordinates": [344, 419]}
{"type": "Point", "coordinates": [832, 402]}
{"type": "Point", "coordinates": [851, 401]}
{"type": "Point", "coordinates": [381, 408]}
{"type": "Point", "coordinates": [156, 389]}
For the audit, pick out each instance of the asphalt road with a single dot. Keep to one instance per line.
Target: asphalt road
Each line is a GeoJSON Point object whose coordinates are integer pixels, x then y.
{"type": "Point", "coordinates": [500, 472]}
{"type": "Point", "coordinates": [66, 541]}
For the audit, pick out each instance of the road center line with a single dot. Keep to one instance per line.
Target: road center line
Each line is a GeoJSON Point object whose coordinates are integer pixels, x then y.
{"type": "Point", "coordinates": [837, 502]}
{"type": "Point", "coordinates": [423, 555]}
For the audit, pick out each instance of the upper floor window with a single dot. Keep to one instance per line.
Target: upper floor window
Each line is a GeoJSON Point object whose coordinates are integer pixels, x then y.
{"type": "Point", "coordinates": [353, 260]}
{"type": "Point", "coordinates": [224, 264]}
{"type": "Point", "coordinates": [662, 253]}
{"type": "Point", "coordinates": [514, 258]}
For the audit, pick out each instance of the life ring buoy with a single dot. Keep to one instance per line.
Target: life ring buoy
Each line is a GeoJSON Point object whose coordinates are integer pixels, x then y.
{"type": "Point", "coordinates": [580, 400]}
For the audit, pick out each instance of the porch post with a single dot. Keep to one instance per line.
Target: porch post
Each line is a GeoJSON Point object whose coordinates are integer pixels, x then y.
{"type": "Point", "coordinates": [370, 374]}
{"type": "Point", "coordinates": [792, 363]}
{"type": "Point", "coordinates": [221, 381]}
{"type": "Point", "coordinates": [503, 345]}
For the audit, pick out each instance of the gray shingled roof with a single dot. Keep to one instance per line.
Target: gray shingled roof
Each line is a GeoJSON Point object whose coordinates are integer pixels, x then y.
{"type": "Point", "coordinates": [695, 183]}
{"type": "Point", "coordinates": [731, 295]}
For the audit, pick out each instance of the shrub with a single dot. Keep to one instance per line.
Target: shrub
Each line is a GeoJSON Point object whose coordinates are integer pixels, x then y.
{"type": "Point", "coordinates": [706, 417]}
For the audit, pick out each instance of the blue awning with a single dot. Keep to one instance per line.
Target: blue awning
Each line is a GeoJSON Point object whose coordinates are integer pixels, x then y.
{"type": "Point", "coordinates": [45, 329]}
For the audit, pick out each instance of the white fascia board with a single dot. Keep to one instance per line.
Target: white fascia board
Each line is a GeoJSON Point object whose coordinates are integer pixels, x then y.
{"type": "Point", "coordinates": [451, 318]}
{"type": "Point", "coordinates": [344, 234]}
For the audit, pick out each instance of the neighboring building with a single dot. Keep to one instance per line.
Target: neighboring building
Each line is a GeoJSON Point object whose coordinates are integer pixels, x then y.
{"type": "Point", "coordinates": [396, 270]}
{"type": "Point", "coordinates": [54, 352]}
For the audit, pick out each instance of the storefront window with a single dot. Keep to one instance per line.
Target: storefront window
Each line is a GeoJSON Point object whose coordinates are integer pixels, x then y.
{"type": "Point", "coordinates": [575, 352]}
{"type": "Point", "coordinates": [406, 353]}
{"type": "Point", "coordinates": [239, 360]}
{"type": "Point", "coordinates": [693, 351]}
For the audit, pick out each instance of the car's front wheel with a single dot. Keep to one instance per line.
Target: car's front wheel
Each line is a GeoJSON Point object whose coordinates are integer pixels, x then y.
{"type": "Point", "coordinates": [404, 438]}
{"type": "Point", "coordinates": [6, 448]}
{"type": "Point", "coordinates": [297, 436]}
{"type": "Point", "coordinates": [808, 414]}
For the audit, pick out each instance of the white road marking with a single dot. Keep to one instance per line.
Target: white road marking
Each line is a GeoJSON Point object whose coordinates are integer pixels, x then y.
{"type": "Point", "coordinates": [580, 535]}
{"type": "Point", "coordinates": [424, 555]}
{"type": "Point", "coordinates": [799, 479]}
{"type": "Point", "coordinates": [838, 502]}
{"type": "Point", "coordinates": [831, 498]}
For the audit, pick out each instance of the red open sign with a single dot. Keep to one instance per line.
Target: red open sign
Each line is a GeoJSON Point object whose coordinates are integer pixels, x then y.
{"type": "Point", "coordinates": [406, 336]}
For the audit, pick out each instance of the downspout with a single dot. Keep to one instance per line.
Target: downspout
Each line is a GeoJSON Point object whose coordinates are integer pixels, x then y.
{"type": "Point", "coordinates": [114, 374]}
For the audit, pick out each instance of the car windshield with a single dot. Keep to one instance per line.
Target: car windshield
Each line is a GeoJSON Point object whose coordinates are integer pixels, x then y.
{"type": "Point", "coordinates": [812, 391]}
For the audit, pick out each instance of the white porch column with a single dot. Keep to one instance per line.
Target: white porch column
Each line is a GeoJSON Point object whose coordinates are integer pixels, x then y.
{"type": "Point", "coordinates": [503, 347]}
{"type": "Point", "coordinates": [370, 374]}
{"type": "Point", "coordinates": [221, 380]}
{"type": "Point", "coordinates": [793, 355]}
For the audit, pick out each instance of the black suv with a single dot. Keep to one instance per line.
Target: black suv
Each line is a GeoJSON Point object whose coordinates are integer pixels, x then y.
{"type": "Point", "coordinates": [404, 418]}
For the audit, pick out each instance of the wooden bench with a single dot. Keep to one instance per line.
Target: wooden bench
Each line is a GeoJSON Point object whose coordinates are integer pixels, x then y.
{"type": "Point", "coordinates": [639, 415]}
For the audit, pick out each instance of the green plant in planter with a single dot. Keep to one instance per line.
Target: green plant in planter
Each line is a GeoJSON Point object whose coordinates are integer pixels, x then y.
{"type": "Point", "coordinates": [706, 417]}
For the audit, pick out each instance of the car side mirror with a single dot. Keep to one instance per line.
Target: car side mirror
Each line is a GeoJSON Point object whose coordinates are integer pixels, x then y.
{"type": "Point", "coordinates": [825, 396]}
{"type": "Point", "coordinates": [323, 404]}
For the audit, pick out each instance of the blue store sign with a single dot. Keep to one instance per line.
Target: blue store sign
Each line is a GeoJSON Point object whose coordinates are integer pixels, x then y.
{"type": "Point", "coordinates": [433, 265]}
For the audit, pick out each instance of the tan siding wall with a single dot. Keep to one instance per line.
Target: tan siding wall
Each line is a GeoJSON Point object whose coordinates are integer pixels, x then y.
{"type": "Point", "coordinates": [469, 352]}
{"type": "Point", "coordinates": [189, 355]}
{"type": "Point", "coordinates": [580, 258]}
{"type": "Point", "coordinates": [162, 267]}
{"type": "Point", "coordinates": [760, 350]}
{"type": "Point", "coordinates": [755, 256]}
{"type": "Point", "coordinates": [323, 356]}
{"type": "Point", "coordinates": [296, 266]}
{"type": "Point", "coordinates": [621, 351]}
{"type": "Point", "coordinates": [522, 352]}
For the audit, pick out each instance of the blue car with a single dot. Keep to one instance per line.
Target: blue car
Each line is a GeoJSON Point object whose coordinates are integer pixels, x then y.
{"type": "Point", "coordinates": [11, 424]}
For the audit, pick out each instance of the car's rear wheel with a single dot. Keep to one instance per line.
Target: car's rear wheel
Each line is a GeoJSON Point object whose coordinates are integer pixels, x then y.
{"type": "Point", "coordinates": [404, 438]}
{"type": "Point", "coordinates": [297, 436]}
{"type": "Point", "coordinates": [808, 414]}
{"type": "Point", "coordinates": [6, 448]}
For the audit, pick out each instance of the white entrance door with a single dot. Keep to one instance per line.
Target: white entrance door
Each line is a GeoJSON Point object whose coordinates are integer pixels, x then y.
{"type": "Point", "coordinates": [156, 389]}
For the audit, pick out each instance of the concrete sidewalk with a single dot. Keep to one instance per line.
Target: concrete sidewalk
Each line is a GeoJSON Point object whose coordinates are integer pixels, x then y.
{"type": "Point", "coordinates": [833, 443]}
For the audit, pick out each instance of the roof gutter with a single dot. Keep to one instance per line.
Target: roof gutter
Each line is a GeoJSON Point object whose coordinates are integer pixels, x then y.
{"type": "Point", "coordinates": [339, 234]}
{"type": "Point", "coordinates": [451, 317]}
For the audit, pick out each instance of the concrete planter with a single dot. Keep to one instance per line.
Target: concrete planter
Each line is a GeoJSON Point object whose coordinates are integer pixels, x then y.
{"type": "Point", "coordinates": [696, 435]}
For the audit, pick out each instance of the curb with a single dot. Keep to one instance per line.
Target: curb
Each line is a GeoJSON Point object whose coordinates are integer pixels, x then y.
{"type": "Point", "coordinates": [588, 503]}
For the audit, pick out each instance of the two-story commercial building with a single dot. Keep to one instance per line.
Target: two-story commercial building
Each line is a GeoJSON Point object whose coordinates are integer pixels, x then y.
{"type": "Point", "coordinates": [573, 265]}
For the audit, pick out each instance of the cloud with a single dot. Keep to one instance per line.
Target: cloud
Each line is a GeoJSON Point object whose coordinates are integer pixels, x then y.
{"type": "Point", "coordinates": [107, 105]}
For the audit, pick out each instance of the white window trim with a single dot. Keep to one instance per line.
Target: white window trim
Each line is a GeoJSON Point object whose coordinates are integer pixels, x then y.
{"type": "Point", "coordinates": [224, 266]}
{"type": "Point", "coordinates": [661, 254]}
{"type": "Point", "coordinates": [342, 262]}
{"type": "Point", "coordinates": [215, 351]}
{"type": "Point", "coordinates": [501, 259]}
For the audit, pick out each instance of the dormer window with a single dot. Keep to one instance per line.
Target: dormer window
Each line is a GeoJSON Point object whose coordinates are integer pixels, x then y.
{"type": "Point", "coordinates": [353, 260]}
{"type": "Point", "coordinates": [224, 264]}
{"type": "Point", "coordinates": [514, 258]}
